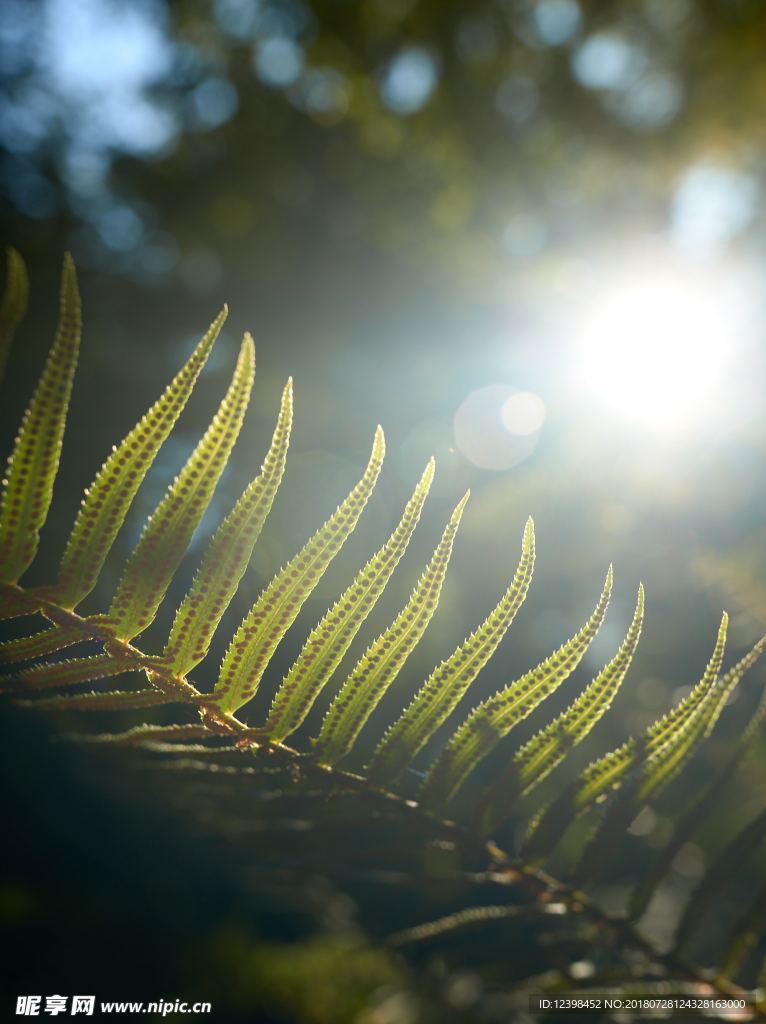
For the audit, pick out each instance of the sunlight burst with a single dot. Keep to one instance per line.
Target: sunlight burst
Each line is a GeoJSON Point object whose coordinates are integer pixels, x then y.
{"type": "Point", "coordinates": [656, 350]}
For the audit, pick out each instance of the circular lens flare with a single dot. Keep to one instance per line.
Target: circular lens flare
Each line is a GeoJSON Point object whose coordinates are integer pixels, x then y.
{"type": "Point", "coordinates": [523, 413]}
{"type": "Point", "coordinates": [655, 351]}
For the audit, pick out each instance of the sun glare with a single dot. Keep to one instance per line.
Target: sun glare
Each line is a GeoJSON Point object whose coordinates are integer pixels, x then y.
{"type": "Point", "coordinates": [656, 350]}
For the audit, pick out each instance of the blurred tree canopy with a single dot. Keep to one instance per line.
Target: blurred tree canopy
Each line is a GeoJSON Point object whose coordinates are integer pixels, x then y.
{"type": "Point", "coordinates": [487, 141]}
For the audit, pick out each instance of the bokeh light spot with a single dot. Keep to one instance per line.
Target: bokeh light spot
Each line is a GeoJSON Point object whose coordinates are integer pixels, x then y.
{"type": "Point", "coordinates": [409, 81]}
{"type": "Point", "coordinates": [712, 205]}
{"type": "Point", "coordinates": [482, 434]}
{"type": "Point", "coordinates": [214, 102]}
{"type": "Point", "coordinates": [278, 61]}
{"type": "Point", "coordinates": [556, 21]}
{"type": "Point", "coordinates": [523, 413]}
{"type": "Point", "coordinates": [607, 60]}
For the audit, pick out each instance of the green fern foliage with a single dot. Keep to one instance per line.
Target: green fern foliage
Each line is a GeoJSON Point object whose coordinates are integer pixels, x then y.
{"type": "Point", "coordinates": [48, 641]}
{"type": "Point", "coordinates": [114, 700]}
{"type": "Point", "coordinates": [332, 637]}
{"type": "Point", "coordinates": [13, 305]}
{"type": "Point", "coordinates": [277, 608]}
{"type": "Point", "coordinates": [700, 811]}
{"type": "Point", "coordinates": [108, 499]}
{"type": "Point", "coordinates": [547, 748]}
{"type": "Point", "coordinates": [32, 467]}
{"type": "Point", "coordinates": [169, 529]}
{"type": "Point", "coordinates": [228, 554]}
{"type": "Point", "coordinates": [494, 718]}
{"type": "Point", "coordinates": [385, 657]}
{"type": "Point", "coordinates": [447, 684]}
{"type": "Point", "coordinates": [649, 762]}
{"type": "Point", "coordinates": [79, 670]}
{"type": "Point", "coordinates": [616, 785]}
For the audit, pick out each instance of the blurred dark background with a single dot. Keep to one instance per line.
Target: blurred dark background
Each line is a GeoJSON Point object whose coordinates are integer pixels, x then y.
{"type": "Point", "coordinates": [420, 209]}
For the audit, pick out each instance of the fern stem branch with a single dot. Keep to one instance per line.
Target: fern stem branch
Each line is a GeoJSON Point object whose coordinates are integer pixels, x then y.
{"type": "Point", "coordinates": [503, 869]}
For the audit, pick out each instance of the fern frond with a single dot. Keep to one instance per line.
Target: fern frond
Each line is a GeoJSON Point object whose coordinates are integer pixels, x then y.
{"type": "Point", "coordinates": [116, 700]}
{"type": "Point", "coordinates": [276, 609]}
{"type": "Point", "coordinates": [79, 670]}
{"type": "Point", "coordinates": [168, 531]}
{"type": "Point", "coordinates": [383, 660]}
{"type": "Point", "coordinates": [663, 738]}
{"type": "Point", "coordinates": [548, 748]}
{"type": "Point", "coordinates": [667, 761]}
{"type": "Point", "coordinates": [331, 638]}
{"type": "Point", "coordinates": [14, 302]}
{"type": "Point", "coordinates": [143, 733]}
{"type": "Point", "coordinates": [444, 688]}
{"type": "Point", "coordinates": [32, 467]}
{"type": "Point", "coordinates": [651, 761]}
{"type": "Point", "coordinates": [228, 554]}
{"type": "Point", "coordinates": [679, 717]}
{"type": "Point", "coordinates": [470, 917]}
{"type": "Point", "coordinates": [217, 742]}
{"type": "Point", "coordinates": [494, 718]}
{"type": "Point", "coordinates": [15, 604]}
{"type": "Point", "coordinates": [48, 641]}
{"type": "Point", "coordinates": [687, 826]}
{"type": "Point", "coordinates": [608, 772]}
{"type": "Point", "coordinates": [109, 497]}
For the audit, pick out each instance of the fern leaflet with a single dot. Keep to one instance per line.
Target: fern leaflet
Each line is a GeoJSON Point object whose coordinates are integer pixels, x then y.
{"type": "Point", "coordinates": [276, 609]}
{"type": "Point", "coordinates": [383, 660]}
{"type": "Point", "coordinates": [32, 467]}
{"type": "Point", "coordinates": [331, 638]}
{"type": "Point", "coordinates": [108, 499]}
{"type": "Point", "coordinates": [494, 718]}
{"type": "Point", "coordinates": [548, 748]}
{"type": "Point", "coordinates": [168, 531]}
{"type": "Point", "coordinates": [447, 684]}
{"type": "Point", "coordinates": [228, 554]}
{"type": "Point", "coordinates": [14, 302]}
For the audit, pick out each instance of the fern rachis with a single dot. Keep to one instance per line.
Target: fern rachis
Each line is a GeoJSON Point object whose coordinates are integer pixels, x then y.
{"type": "Point", "coordinates": [641, 767]}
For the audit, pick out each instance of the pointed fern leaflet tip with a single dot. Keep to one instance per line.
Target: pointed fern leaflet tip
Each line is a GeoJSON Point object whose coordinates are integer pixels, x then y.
{"type": "Point", "coordinates": [109, 497]}
{"type": "Point", "coordinates": [276, 609]}
{"type": "Point", "coordinates": [33, 465]}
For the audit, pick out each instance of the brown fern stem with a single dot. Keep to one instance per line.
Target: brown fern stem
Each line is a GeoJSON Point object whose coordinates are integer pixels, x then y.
{"type": "Point", "coordinates": [502, 869]}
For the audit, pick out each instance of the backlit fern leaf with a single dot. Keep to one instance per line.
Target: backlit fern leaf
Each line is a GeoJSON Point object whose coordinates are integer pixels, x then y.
{"type": "Point", "coordinates": [494, 718]}
{"type": "Point", "coordinates": [548, 748]}
{"type": "Point", "coordinates": [447, 684]}
{"type": "Point", "coordinates": [216, 740]}
{"type": "Point", "coordinates": [700, 810]}
{"type": "Point", "coordinates": [32, 467]}
{"type": "Point", "coordinates": [114, 700]}
{"type": "Point", "coordinates": [109, 497]}
{"type": "Point", "coordinates": [652, 760]}
{"type": "Point", "coordinates": [141, 733]}
{"type": "Point", "coordinates": [384, 658]}
{"type": "Point", "coordinates": [331, 638]}
{"type": "Point", "coordinates": [228, 554]}
{"type": "Point", "coordinates": [26, 648]}
{"type": "Point", "coordinates": [79, 670]}
{"type": "Point", "coordinates": [276, 609]}
{"type": "Point", "coordinates": [666, 728]}
{"type": "Point", "coordinates": [169, 529]}
{"type": "Point", "coordinates": [14, 302]}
